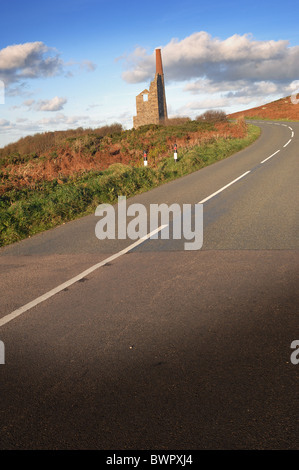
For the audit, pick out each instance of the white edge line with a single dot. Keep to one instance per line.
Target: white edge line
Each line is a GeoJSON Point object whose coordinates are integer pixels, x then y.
{"type": "Point", "coordinates": [16, 313]}
{"type": "Point", "coordinates": [224, 187]}
{"type": "Point", "coordinates": [270, 156]}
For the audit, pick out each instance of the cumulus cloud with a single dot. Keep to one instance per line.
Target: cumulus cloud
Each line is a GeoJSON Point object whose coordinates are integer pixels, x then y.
{"type": "Point", "coordinates": [201, 55]}
{"type": "Point", "coordinates": [21, 120]}
{"type": "Point", "coordinates": [28, 60]}
{"type": "Point", "coordinates": [192, 108]}
{"type": "Point", "coordinates": [238, 70]}
{"type": "Point", "coordinates": [61, 118]}
{"type": "Point", "coordinates": [55, 104]}
{"type": "Point", "coordinates": [241, 91]}
{"type": "Point", "coordinates": [20, 62]}
{"type": "Point", "coordinates": [5, 124]}
{"type": "Point", "coordinates": [256, 88]}
{"type": "Point", "coordinates": [28, 103]}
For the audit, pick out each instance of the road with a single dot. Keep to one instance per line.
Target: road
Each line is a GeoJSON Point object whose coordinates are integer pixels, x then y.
{"type": "Point", "coordinates": [161, 348]}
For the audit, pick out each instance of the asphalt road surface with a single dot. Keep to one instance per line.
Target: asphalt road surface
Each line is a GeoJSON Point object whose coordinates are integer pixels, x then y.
{"type": "Point", "coordinates": [157, 347]}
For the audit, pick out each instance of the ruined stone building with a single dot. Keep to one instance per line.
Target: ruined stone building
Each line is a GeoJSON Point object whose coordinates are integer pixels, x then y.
{"type": "Point", "coordinates": [151, 104]}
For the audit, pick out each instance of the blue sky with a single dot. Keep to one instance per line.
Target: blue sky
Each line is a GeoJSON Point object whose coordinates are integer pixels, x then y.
{"type": "Point", "coordinates": [72, 63]}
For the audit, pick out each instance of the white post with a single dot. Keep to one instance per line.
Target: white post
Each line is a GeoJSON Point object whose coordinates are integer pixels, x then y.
{"type": "Point", "coordinates": [145, 158]}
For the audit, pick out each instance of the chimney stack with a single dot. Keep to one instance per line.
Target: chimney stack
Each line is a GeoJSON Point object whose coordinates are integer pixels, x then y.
{"type": "Point", "coordinates": [159, 68]}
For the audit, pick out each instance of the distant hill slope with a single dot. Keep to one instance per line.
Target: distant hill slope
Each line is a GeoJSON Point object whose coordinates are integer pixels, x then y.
{"type": "Point", "coordinates": [66, 155]}
{"type": "Point", "coordinates": [282, 109]}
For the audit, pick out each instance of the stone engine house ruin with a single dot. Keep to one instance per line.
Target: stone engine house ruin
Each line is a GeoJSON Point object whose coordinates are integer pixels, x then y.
{"type": "Point", "coordinates": [151, 104]}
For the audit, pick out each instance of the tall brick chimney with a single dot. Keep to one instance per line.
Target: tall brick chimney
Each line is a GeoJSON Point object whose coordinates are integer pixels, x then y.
{"type": "Point", "coordinates": [159, 67]}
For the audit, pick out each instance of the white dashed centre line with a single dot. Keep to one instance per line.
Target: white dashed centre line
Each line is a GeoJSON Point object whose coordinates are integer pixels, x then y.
{"type": "Point", "coordinates": [224, 187]}
{"type": "Point", "coordinates": [285, 145]}
{"type": "Point", "coordinates": [270, 156]}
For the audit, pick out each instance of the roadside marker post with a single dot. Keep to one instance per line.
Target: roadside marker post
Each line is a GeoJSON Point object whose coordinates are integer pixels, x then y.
{"type": "Point", "coordinates": [175, 152]}
{"type": "Point", "coordinates": [145, 158]}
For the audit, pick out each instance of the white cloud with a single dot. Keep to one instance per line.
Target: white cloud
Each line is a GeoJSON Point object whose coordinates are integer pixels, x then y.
{"type": "Point", "coordinates": [201, 55]}
{"type": "Point", "coordinates": [5, 123]}
{"type": "Point", "coordinates": [28, 103]}
{"type": "Point", "coordinates": [61, 118]}
{"type": "Point", "coordinates": [223, 73]}
{"type": "Point", "coordinates": [28, 60]}
{"type": "Point", "coordinates": [88, 65]}
{"type": "Point", "coordinates": [6, 127]}
{"type": "Point", "coordinates": [243, 87]}
{"type": "Point", "coordinates": [31, 60]}
{"type": "Point", "coordinates": [55, 104]}
{"type": "Point", "coordinates": [241, 91]}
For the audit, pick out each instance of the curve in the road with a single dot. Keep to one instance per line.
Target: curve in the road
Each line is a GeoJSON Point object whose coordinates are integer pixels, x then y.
{"type": "Point", "coordinates": [16, 313]}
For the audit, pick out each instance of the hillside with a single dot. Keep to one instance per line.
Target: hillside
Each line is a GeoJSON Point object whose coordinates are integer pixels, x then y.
{"type": "Point", "coordinates": [66, 175]}
{"type": "Point", "coordinates": [282, 109]}
{"type": "Point", "coordinates": [63, 156]}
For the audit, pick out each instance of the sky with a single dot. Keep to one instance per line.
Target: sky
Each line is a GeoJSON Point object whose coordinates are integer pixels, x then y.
{"type": "Point", "coordinates": [66, 64]}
